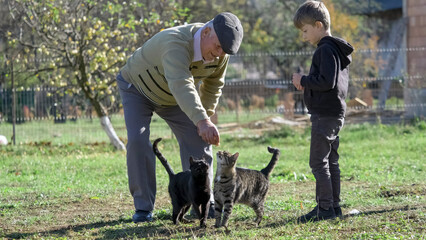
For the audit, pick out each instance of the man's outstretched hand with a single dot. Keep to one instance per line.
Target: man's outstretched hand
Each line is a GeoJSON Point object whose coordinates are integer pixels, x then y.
{"type": "Point", "coordinates": [208, 132]}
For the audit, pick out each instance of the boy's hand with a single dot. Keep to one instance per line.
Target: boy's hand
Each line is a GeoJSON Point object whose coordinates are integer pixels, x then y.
{"type": "Point", "coordinates": [297, 77]}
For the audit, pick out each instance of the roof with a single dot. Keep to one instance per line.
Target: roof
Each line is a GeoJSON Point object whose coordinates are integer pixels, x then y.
{"type": "Point", "coordinates": [377, 6]}
{"type": "Point", "coordinates": [385, 5]}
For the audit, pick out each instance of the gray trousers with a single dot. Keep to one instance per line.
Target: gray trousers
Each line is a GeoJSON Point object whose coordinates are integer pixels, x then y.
{"type": "Point", "coordinates": [138, 111]}
{"type": "Point", "coordinates": [324, 159]}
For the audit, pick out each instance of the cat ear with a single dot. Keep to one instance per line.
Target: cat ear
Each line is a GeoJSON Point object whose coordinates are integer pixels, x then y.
{"type": "Point", "coordinates": [235, 156]}
{"type": "Point", "coordinates": [191, 160]}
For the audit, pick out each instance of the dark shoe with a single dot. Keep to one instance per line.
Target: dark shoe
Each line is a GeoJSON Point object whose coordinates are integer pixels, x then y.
{"type": "Point", "coordinates": [338, 212]}
{"type": "Point", "coordinates": [318, 214]}
{"type": "Point", "coordinates": [142, 216]}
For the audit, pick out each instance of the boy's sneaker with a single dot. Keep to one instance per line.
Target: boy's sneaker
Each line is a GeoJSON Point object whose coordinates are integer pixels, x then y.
{"type": "Point", "coordinates": [142, 216]}
{"type": "Point", "coordinates": [318, 214]}
{"type": "Point", "coordinates": [338, 212]}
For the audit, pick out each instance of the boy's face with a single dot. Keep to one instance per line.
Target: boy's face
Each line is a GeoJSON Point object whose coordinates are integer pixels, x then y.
{"type": "Point", "coordinates": [313, 33]}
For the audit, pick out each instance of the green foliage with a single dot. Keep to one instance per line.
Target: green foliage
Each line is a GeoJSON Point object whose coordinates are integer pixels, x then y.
{"type": "Point", "coordinates": [272, 101]}
{"type": "Point", "coordinates": [268, 28]}
{"type": "Point", "coordinates": [421, 125]}
{"type": "Point", "coordinates": [81, 45]}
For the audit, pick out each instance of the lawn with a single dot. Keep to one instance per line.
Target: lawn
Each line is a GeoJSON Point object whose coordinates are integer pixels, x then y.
{"type": "Point", "coordinates": [77, 191]}
{"type": "Point", "coordinates": [88, 130]}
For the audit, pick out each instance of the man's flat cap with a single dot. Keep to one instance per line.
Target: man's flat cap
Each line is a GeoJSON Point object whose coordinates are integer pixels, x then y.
{"type": "Point", "coordinates": [229, 31]}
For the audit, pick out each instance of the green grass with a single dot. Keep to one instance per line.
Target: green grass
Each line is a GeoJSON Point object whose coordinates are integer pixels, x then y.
{"type": "Point", "coordinates": [87, 130]}
{"type": "Point", "coordinates": [79, 191]}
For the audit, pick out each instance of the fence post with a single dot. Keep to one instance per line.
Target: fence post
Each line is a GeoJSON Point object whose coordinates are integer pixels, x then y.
{"type": "Point", "coordinates": [13, 105]}
{"type": "Point", "coordinates": [238, 108]}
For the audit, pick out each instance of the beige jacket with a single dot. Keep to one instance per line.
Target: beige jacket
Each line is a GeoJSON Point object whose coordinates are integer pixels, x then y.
{"type": "Point", "coordinates": [162, 70]}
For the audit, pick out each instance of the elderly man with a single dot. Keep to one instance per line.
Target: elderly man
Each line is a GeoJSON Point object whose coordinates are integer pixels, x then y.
{"type": "Point", "coordinates": [178, 74]}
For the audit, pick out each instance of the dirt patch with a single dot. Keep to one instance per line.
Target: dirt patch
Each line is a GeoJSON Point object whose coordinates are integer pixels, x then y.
{"type": "Point", "coordinates": [271, 123]}
{"type": "Point", "coordinates": [414, 189]}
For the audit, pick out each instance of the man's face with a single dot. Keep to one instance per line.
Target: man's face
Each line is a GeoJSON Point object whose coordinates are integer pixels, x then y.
{"type": "Point", "coordinates": [210, 45]}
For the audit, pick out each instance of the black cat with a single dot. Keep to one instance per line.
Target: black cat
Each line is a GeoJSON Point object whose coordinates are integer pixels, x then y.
{"type": "Point", "coordinates": [191, 187]}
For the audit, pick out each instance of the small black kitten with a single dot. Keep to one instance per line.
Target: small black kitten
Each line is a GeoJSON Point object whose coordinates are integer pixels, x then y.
{"type": "Point", "coordinates": [188, 188]}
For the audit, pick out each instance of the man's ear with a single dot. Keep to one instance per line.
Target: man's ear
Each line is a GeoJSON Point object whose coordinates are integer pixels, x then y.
{"type": "Point", "coordinates": [205, 32]}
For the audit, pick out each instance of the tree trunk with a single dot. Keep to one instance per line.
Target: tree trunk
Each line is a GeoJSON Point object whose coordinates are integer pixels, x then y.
{"type": "Point", "coordinates": [99, 108]}
{"type": "Point", "coordinates": [109, 129]}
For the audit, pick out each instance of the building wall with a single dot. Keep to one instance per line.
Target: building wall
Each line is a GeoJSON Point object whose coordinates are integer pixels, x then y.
{"type": "Point", "coordinates": [416, 36]}
{"type": "Point", "coordinates": [415, 91]}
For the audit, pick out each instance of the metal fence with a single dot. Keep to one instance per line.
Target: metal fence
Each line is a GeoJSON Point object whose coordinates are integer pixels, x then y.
{"type": "Point", "coordinates": [258, 87]}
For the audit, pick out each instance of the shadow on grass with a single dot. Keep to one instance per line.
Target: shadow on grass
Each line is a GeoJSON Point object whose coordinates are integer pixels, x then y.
{"type": "Point", "coordinates": [160, 228]}
{"type": "Point", "coordinates": [65, 230]}
{"type": "Point", "coordinates": [114, 229]}
{"type": "Point", "coordinates": [373, 212]}
{"type": "Point", "coordinates": [104, 230]}
{"type": "Point", "coordinates": [276, 224]}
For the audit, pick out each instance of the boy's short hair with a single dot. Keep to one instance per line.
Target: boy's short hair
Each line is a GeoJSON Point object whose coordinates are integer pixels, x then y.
{"type": "Point", "coordinates": [310, 12]}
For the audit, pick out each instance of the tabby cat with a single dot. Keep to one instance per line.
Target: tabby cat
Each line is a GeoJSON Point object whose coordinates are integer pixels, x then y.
{"type": "Point", "coordinates": [240, 185]}
{"type": "Point", "coordinates": [188, 188]}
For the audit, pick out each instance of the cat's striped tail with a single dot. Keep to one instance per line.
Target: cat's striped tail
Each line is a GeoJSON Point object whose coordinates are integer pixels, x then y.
{"type": "Point", "coordinates": [160, 156]}
{"type": "Point", "coordinates": [275, 156]}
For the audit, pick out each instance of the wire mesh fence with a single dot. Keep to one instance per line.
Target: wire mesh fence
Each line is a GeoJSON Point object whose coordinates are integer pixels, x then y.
{"type": "Point", "coordinates": [258, 87]}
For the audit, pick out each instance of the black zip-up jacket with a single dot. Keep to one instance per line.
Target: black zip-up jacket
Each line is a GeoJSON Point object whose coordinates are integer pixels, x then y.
{"type": "Point", "coordinates": [326, 86]}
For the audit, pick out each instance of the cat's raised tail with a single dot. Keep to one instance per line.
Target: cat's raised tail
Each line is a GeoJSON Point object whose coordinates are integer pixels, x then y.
{"type": "Point", "coordinates": [160, 156]}
{"type": "Point", "coordinates": [275, 156]}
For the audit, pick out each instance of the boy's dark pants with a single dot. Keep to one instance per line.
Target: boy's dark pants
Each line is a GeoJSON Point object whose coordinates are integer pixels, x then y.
{"type": "Point", "coordinates": [324, 158]}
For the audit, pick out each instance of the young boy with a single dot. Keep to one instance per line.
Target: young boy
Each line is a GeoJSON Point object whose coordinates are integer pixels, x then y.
{"type": "Point", "coordinates": [325, 90]}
